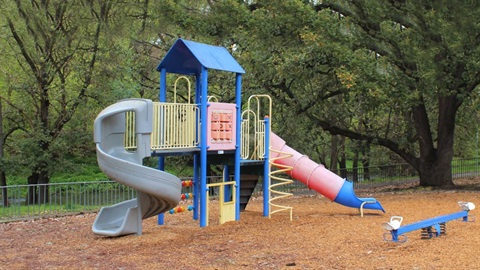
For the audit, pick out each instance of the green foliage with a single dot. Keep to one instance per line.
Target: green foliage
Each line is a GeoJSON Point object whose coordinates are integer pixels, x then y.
{"type": "Point", "coordinates": [63, 62]}
{"type": "Point", "coordinates": [396, 75]}
{"type": "Point", "coordinates": [393, 74]}
{"type": "Point", "coordinates": [80, 169]}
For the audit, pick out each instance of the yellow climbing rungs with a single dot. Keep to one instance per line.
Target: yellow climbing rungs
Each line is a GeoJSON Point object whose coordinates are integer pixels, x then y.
{"type": "Point", "coordinates": [281, 182]}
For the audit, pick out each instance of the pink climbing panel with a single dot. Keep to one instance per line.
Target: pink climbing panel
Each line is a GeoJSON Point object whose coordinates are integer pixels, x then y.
{"type": "Point", "coordinates": [221, 127]}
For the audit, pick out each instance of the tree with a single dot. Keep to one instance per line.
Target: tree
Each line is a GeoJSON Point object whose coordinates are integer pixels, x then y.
{"type": "Point", "coordinates": [62, 62]}
{"type": "Point", "coordinates": [3, 177]}
{"type": "Point", "coordinates": [406, 67]}
{"type": "Point", "coordinates": [429, 50]}
{"type": "Point", "coordinates": [57, 43]}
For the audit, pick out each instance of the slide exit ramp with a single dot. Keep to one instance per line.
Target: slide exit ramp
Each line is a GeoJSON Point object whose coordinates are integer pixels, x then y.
{"type": "Point", "coordinates": [157, 191]}
{"type": "Point", "coordinates": [318, 178]}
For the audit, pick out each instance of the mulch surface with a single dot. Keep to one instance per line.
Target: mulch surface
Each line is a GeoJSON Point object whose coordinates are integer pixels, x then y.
{"type": "Point", "coordinates": [322, 235]}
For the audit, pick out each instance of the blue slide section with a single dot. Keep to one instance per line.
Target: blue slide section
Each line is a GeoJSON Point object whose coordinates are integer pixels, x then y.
{"type": "Point", "coordinates": [346, 196]}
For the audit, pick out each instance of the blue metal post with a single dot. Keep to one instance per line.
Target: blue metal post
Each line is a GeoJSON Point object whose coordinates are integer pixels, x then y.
{"type": "Point", "coordinates": [236, 176]}
{"type": "Point", "coordinates": [266, 170]}
{"type": "Point", "coordinates": [203, 147]}
{"type": "Point", "coordinates": [162, 97]}
{"type": "Point", "coordinates": [227, 189]}
{"type": "Point", "coordinates": [163, 85]}
{"type": "Point", "coordinates": [196, 157]}
{"type": "Point", "coordinates": [161, 166]}
{"type": "Point", "coordinates": [196, 186]}
{"type": "Point", "coordinates": [161, 219]}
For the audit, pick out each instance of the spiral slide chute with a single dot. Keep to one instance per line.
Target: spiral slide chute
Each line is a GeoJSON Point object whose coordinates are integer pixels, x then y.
{"type": "Point", "coordinates": [318, 178]}
{"type": "Point", "coordinates": [157, 191]}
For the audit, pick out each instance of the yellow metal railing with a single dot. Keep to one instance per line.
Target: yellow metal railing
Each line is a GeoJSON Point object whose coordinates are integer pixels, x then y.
{"type": "Point", "coordinates": [248, 116]}
{"type": "Point", "coordinates": [251, 120]}
{"type": "Point", "coordinates": [189, 87]}
{"type": "Point", "coordinates": [212, 99]}
{"type": "Point", "coordinates": [174, 126]}
{"type": "Point", "coordinates": [130, 140]}
{"type": "Point", "coordinates": [258, 106]}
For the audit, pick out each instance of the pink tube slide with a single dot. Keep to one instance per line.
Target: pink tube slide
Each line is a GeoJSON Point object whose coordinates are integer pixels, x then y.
{"type": "Point", "coordinates": [316, 177]}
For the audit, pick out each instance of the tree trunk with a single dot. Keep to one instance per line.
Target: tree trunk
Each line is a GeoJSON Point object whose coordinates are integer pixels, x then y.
{"type": "Point", "coordinates": [3, 184]}
{"type": "Point", "coordinates": [342, 162]}
{"type": "Point", "coordinates": [333, 153]}
{"type": "Point", "coordinates": [38, 190]}
{"type": "Point", "coordinates": [435, 164]}
{"type": "Point", "coordinates": [436, 172]}
{"type": "Point", "coordinates": [355, 167]}
{"type": "Point", "coordinates": [366, 161]}
{"type": "Point", "coordinates": [32, 189]}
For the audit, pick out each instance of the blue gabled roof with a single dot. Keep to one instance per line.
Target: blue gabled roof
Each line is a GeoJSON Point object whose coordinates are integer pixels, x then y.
{"type": "Point", "coordinates": [188, 57]}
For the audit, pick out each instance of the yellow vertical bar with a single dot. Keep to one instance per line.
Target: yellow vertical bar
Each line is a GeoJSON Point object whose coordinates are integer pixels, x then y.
{"type": "Point", "coordinates": [207, 214]}
{"type": "Point", "coordinates": [165, 121]}
{"type": "Point", "coordinates": [129, 135]}
{"type": "Point", "coordinates": [170, 126]}
{"type": "Point", "coordinates": [154, 127]}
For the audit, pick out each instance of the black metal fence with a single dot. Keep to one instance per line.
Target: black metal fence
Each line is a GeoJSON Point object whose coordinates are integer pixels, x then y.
{"type": "Point", "coordinates": [391, 175]}
{"type": "Point", "coordinates": [60, 199]}
{"type": "Point", "coordinates": [73, 198]}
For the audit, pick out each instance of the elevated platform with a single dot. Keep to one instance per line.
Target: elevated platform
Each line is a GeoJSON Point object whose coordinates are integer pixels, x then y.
{"type": "Point", "coordinates": [176, 152]}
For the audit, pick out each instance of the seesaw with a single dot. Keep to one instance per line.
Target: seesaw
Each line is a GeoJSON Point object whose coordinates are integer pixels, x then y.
{"type": "Point", "coordinates": [430, 227]}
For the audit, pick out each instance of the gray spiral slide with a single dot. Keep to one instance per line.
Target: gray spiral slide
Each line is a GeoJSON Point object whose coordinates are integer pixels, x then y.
{"type": "Point", "coordinates": [157, 191]}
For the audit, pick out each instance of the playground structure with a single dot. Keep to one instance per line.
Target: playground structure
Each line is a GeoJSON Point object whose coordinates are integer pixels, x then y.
{"type": "Point", "coordinates": [429, 227]}
{"type": "Point", "coordinates": [213, 133]}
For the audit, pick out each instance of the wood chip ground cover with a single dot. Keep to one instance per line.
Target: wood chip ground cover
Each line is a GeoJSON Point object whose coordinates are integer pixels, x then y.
{"type": "Point", "coordinates": [322, 235]}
